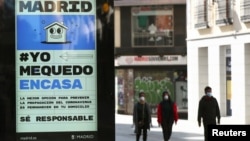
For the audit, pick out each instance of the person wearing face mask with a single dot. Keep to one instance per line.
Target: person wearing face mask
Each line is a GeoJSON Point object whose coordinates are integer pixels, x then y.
{"type": "Point", "coordinates": [141, 117]}
{"type": "Point", "coordinates": [167, 115]}
{"type": "Point", "coordinates": [208, 110]}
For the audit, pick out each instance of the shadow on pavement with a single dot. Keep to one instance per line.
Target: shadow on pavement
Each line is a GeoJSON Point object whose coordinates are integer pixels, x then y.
{"type": "Point", "coordinates": [125, 132]}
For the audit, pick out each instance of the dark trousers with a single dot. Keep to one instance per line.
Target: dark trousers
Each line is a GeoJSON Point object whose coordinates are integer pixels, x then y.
{"type": "Point", "coordinates": [143, 130]}
{"type": "Point", "coordinates": [167, 130]}
{"type": "Point", "coordinates": [205, 124]}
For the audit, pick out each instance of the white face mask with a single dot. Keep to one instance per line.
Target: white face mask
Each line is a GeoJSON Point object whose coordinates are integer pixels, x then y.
{"type": "Point", "coordinates": [209, 94]}
{"type": "Point", "coordinates": [166, 97]}
{"type": "Point", "coordinates": [142, 98]}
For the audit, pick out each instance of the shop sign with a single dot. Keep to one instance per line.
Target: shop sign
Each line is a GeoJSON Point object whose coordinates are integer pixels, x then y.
{"type": "Point", "coordinates": [152, 60]}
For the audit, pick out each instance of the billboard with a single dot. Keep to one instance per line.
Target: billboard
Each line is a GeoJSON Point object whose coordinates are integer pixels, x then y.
{"type": "Point", "coordinates": [56, 70]}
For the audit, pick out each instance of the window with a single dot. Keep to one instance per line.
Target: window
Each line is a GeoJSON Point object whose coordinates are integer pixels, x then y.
{"type": "Point", "coordinates": [245, 10]}
{"type": "Point", "coordinates": [152, 26]}
{"type": "Point", "coordinates": [224, 12]}
{"type": "Point", "coordinates": [201, 14]}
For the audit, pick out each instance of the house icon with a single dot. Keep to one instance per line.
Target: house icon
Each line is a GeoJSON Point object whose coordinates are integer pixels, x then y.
{"type": "Point", "coordinates": [56, 33]}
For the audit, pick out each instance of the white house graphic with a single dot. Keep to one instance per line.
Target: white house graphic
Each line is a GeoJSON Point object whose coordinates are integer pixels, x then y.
{"type": "Point", "coordinates": [56, 33]}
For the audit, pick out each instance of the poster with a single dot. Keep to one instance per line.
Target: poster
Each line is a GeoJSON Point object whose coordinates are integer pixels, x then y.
{"type": "Point", "coordinates": [56, 70]}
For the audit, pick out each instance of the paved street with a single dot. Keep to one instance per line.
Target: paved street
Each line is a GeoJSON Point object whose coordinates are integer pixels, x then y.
{"type": "Point", "coordinates": [183, 131]}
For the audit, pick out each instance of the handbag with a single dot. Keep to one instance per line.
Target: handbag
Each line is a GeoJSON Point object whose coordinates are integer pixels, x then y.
{"type": "Point", "coordinates": [141, 123]}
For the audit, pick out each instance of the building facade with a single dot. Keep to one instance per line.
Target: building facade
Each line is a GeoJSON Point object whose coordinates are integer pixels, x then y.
{"type": "Point", "coordinates": [150, 51]}
{"type": "Point", "coordinates": [218, 49]}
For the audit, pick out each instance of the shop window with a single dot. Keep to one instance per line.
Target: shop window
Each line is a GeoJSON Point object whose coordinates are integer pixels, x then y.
{"type": "Point", "coordinates": [152, 26]}
{"type": "Point", "coordinates": [245, 10]}
{"type": "Point", "coordinates": [224, 12]}
{"type": "Point", "coordinates": [201, 14]}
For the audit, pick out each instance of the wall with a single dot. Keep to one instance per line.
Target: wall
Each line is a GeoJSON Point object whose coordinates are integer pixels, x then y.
{"type": "Point", "coordinates": [206, 66]}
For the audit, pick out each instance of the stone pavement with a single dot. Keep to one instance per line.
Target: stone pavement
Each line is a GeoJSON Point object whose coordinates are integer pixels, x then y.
{"type": "Point", "coordinates": [184, 130]}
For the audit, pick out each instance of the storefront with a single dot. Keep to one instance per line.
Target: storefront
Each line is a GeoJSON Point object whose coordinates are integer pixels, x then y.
{"type": "Point", "coordinates": [153, 75]}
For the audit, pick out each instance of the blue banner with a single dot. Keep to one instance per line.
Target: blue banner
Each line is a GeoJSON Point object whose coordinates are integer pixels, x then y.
{"type": "Point", "coordinates": [55, 32]}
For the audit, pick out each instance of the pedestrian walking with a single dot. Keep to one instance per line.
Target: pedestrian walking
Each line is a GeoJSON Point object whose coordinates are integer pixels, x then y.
{"type": "Point", "coordinates": [167, 115]}
{"type": "Point", "coordinates": [208, 110]}
{"type": "Point", "coordinates": [141, 117]}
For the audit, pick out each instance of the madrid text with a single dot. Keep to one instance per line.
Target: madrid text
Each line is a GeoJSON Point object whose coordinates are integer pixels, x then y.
{"type": "Point", "coordinates": [54, 6]}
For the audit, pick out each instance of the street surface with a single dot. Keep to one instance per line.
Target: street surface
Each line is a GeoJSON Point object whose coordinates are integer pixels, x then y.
{"type": "Point", "coordinates": [183, 131]}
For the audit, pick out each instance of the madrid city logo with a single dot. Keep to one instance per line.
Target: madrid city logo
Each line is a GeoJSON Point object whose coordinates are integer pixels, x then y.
{"type": "Point", "coordinates": [56, 33]}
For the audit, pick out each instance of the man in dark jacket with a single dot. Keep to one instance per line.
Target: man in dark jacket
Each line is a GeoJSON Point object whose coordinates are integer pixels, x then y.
{"type": "Point", "coordinates": [141, 117]}
{"type": "Point", "coordinates": [208, 110]}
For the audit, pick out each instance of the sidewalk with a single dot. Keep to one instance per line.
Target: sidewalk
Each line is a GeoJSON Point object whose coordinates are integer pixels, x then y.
{"type": "Point", "coordinates": [183, 130]}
